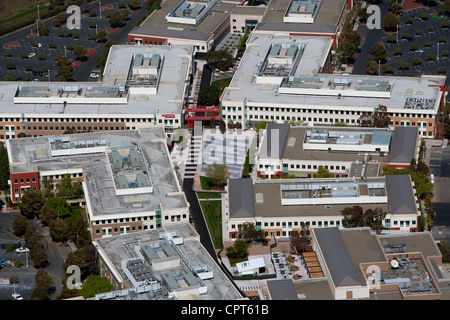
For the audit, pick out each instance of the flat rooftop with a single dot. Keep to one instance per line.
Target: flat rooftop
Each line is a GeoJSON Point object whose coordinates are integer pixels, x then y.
{"type": "Point", "coordinates": [346, 251]}
{"type": "Point", "coordinates": [111, 96]}
{"type": "Point", "coordinates": [144, 181]}
{"type": "Point", "coordinates": [189, 250]}
{"type": "Point", "coordinates": [282, 141]}
{"type": "Point", "coordinates": [304, 198]}
{"type": "Point", "coordinates": [328, 14]}
{"type": "Point", "coordinates": [319, 197]}
{"type": "Point", "coordinates": [307, 86]}
{"type": "Point", "coordinates": [156, 24]}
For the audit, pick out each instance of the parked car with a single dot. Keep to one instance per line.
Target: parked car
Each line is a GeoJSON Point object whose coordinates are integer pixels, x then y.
{"type": "Point", "coordinates": [17, 296]}
{"type": "Point", "coordinates": [31, 55]}
{"type": "Point", "coordinates": [419, 51]}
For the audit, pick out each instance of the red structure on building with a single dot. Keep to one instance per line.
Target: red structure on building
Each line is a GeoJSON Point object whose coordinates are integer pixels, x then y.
{"type": "Point", "coordinates": [21, 182]}
{"type": "Point", "coordinates": [201, 113]}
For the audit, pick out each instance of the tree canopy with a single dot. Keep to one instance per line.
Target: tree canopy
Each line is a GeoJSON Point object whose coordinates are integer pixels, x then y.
{"type": "Point", "coordinates": [31, 203]}
{"type": "Point", "coordinates": [221, 60]}
{"type": "Point", "coordinates": [218, 173]}
{"type": "Point", "coordinates": [356, 217]}
{"type": "Point", "coordinates": [248, 232]}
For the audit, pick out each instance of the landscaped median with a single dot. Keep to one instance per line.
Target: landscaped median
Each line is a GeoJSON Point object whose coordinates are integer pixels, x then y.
{"type": "Point", "coordinates": [212, 212]}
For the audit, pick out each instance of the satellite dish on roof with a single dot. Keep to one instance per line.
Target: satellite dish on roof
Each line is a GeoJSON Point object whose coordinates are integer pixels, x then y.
{"type": "Point", "coordinates": [394, 264]}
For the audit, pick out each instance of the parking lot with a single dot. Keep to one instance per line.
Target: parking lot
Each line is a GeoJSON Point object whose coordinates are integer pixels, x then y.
{"type": "Point", "coordinates": [435, 48]}
{"type": "Point", "coordinates": [24, 275]}
{"type": "Point", "coordinates": [370, 36]}
{"type": "Point", "coordinates": [61, 40]}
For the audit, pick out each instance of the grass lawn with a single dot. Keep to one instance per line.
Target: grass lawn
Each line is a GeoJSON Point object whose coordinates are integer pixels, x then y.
{"type": "Point", "coordinates": [209, 195]}
{"type": "Point", "coordinates": [221, 84]}
{"type": "Point", "coordinates": [206, 184]}
{"type": "Point", "coordinates": [74, 216]}
{"type": "Point", "coordinates": [9, 8]}
{"type": "Point", "coordinates": [212, 211]}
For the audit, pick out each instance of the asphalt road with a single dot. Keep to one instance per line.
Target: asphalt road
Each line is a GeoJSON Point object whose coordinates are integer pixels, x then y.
{"type": "Point", "coordinates": [22, 40]}
{"type": "Point", "coordinates": [197, 215]}
{"type": "Point", "coordinates": [440, 167]}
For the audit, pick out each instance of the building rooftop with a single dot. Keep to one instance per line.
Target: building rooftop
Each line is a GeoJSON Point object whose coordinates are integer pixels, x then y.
{"type": "Point", "coordinates": [203, 28]}
{"type": "Point", "coordinates": [112, 96]}
{"type": "Point", "coordinates": [308, 86]}
{"type": "Point", "coordinates": [282, 141]}
{"type": "Point", "coordinates": [324, 12]}
{"type": "Point", "coordinates": [174, 269]}
{"type": "Point", "coordinates": [403, 145]}
{"type": "Point", "coordinates": [319, 197]}
{"type": "Point", "coordinates": [417, 256]}
{"type": "Point", "coordinates": [358, 257]}
{"type": "Point", "coordinates": [124, 171]}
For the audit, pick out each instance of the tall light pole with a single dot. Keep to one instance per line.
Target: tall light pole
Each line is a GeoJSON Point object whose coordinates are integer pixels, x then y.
{"type": "Point", "coordinates": [65, 52]}
{"type": "Point", "coordinates": [438, 51]}
{"type": "Point", "coordinates": [37, 26]}
{"type": "Point", "coordinates": [379, 73]}
{"type": "Point", "coordinates": [100, 8]}
{"type": "Point", "coordinates": [397, 33]}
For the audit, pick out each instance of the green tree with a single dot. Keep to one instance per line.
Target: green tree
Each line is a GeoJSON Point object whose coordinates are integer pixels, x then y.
{"type": "Point", "coordinates": [218, 173]}
{"type": "Point", "coordinates": [403, 65]}
{"type": "Point", "coordinates": [59, 230]}
{"type": "Point", "coordinates": [390, 22]}
{"type": "Point", "coordinates": [248, 232]}
{"type": "Point", "coordinates": [134, 4]}
{"type": "Point", "coordinates": [238, 250]}
{"type": "Point", "coordinates": [31, 203]}
{"type": "Point", "coordinates": [209, 96]}
{"type": "Point", "coordinates": [43, 284]}
{"type": "Point", "coordinates": [378, 52]}
{"type": "Point", "coordinates": [59, 206]}
{"type": "Point", "coordinates": [222, 126]}
{"type": "Point", "coordinates": [323, 173]}
{"type": "Point", "coordinates": [69, 189]}
{"type": "Point", "coordinates": [417, 61]}
{"type": "Point", "coordinates": [79, 233]}
{"type": "Point", "coordinates": [38, 255]}
{"type": "Point", "coordinates": [4, 167]}
{"type": "Point", "coordinates": [20, 225]}
{"type": "Point", "coordinates": [101, 35]}
{"type": "Point", "coordinates": [444, 6]}
{"type": "Point", "coordinates": [65, 69]}
{"type": "Point", "coordinates": [80, 52]}
{"type": "Point", "coordinates": [47, 215]}
{"type": "Point", "coordinates": [355, 216]}
{"type": "Point", "coordinates": [94, 285]}
{"type": "Point", "coordinates": [381, 117]}
{"type": "Point", "coordinates": [117, 17]}
{"type": "Point", "coordinates": [372, 67]}
{"type": "Point", "coordinates": [221, 60]}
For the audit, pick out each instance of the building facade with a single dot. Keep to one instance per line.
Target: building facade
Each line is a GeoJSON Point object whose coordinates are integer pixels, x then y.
{"type": "Point", "coordinates": [127, 177]}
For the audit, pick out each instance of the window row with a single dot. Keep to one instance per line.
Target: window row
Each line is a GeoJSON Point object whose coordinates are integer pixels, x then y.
{"type": "Point", "coordinates": [26, 180]}
{"type": "Point", "coordinates": [134, 219]}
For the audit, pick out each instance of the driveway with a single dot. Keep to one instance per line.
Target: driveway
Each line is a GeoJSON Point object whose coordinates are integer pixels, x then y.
{"type": "Point", "coordinates": [440, 167]}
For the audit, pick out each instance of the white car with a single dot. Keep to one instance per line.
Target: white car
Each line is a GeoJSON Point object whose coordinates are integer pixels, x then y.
{"type": "Point", "coordinates": [17, 296]}
{"type": "Point", "coordinates": [22, 250]}
{"type": "Point", "coordinates": [419, 51]}
{"type": "Point", "coordinates": [94, 75]}
{"type": "Point", "coordinates": [31, 55]}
